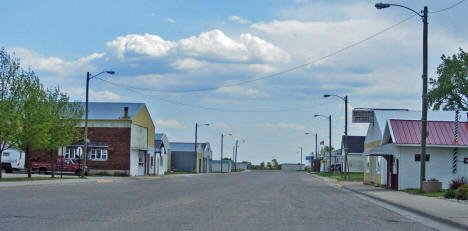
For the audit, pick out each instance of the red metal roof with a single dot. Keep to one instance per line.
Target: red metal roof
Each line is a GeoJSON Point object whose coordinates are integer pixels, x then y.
{"type": "Point", "coordinates": [440, 132]}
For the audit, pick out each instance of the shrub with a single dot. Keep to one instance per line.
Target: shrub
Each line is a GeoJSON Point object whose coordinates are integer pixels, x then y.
{"type": "Point", "coordinates": [462, 192]}
{"type": "Point", "coordinates": [457, 182]}
{"type": "Point", "coordinates": [450, 194]}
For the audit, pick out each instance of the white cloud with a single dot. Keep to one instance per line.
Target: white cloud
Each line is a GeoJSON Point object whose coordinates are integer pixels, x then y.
{"type": "Point", "coordinates": [39, 62]}
{"type": "Point", "coordinates": [170, 20]}
{"type": "Point", "coordinates": [211, 46]}
{"type": "Point", "coordinates": [290, 126]}
{"type": "Point", "coordinates": [238, 19]}
{"type": "Point", "coordinates": [169, 124]}
{"type": "Point", "coordinates": [140, 45]}
{"type": "Point", "coordinates": [79, 93]}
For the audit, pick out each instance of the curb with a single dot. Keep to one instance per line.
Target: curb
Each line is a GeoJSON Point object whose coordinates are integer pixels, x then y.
{"type": "Point", "coordinates": [416, 211]}
{"type": "Point", "coordinates": [412, 210]}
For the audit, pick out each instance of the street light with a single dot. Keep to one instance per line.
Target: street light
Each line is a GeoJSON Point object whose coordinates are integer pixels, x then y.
{"type": "Point", "coordinates": [88, 77]}
{"type": "Point", "coordinates": [345, 99]}
{"type": "Point", "coordinates": [235, 157]}
{"type": "Point", "coordinates": [424, 87]}
{"type": "Point", "coordinates": [329, 138]}
{"type": "Point", "coordinates": [316, 147]}
{"type": "Point", "coordinates": [222, 136]}
{"type": "Point", "coordinates": [196, 134]}
{"type": "Point", "coordinates": [300, 167]}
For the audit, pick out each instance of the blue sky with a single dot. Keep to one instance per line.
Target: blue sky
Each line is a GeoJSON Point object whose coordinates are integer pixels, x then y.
{"type": "Point", "coordinates": [157, 46]}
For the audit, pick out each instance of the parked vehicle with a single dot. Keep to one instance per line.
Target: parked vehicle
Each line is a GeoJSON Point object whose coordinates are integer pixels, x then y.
{"type": "Point", "coordinates": [6, 167]}
{"type": "Point", "coordinates": [15, 158]}
{"type": "Point", "coordinates": [64, 165]}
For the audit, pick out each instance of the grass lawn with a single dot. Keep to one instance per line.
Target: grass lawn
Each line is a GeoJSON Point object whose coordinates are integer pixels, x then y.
{"type": "Point", "coordinates": [418, 192]}
{"type": "Point", "coordinates": [12, 179]}
{"type": "Point", "coordinates": [352, 176]}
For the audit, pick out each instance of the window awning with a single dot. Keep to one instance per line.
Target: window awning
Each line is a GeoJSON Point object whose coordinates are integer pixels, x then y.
{"type": "Point", "coordinates": [386, 149]}
{"type": "Point", "coordinates": [91, 144]}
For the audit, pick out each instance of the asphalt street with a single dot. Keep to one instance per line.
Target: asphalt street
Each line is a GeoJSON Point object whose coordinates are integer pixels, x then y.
{"type": "Point", "coordinates": [256, 200]}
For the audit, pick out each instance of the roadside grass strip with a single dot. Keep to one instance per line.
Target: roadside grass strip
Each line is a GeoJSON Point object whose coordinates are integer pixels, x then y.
{"type": "Point", "coordinates": [153, 178]}
{"type": "Point", "coordinates": [104, 181]}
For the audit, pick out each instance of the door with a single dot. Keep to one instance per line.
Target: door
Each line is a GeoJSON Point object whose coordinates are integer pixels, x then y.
{"type": "Point", "coordinates": [199, 165]}
{"type": "Point", "coordinates": [372, 168]}
{"type": "Point", "coordinates": [394, 173]}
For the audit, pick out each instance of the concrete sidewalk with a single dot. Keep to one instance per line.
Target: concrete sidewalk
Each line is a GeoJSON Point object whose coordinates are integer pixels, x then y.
{"type": "Point", "coordinates": [451, 212]}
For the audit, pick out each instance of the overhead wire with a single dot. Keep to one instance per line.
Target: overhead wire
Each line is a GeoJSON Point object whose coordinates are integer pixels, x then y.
{"type": "Point", "coordinates": [447, 8]}
{"type": "Point", "coordinates": [214, 108]}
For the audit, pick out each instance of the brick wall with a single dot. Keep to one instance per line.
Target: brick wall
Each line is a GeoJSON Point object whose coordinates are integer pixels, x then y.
{"type": "Point", "coordinates": [118, 140]}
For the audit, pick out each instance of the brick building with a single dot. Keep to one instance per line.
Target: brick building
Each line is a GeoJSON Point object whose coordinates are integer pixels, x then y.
{"type": "Point", "coordinates": [121, 140]}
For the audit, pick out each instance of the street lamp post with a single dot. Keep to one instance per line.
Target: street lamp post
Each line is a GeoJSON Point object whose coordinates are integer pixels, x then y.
{"type": "Point", "coordinates": [85, 151]}
{"type": "Point", "coordinates": [345, 99]}
{"type": "Point", "coordinates": [222, 136]}
{"type": "Point", "coordinates": [195, 148]}
{"type": "Point", "coordinates": [424, 87]}
{"type": "Point", "coordinates": [330, 139]}
{"type": "Point", "coordinates": [235, 156]}
{"type": "Point", "coordinates": [300, 167]}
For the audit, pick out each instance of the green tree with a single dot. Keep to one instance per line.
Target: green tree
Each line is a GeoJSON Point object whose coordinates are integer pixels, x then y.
{"type": "Point", "coordinates": [32, 114]}
{"type": "Point", "coordinates": [269, 165]}
{"type": "Point", "coordinates": [62, 117]}
{"type": "Point", "coordinates": [324, 151]}
{"type": "Point", "coordinates": [275, 163]}
{"type": "Point", "coordinates": [450, 90]}
{"type": "Point", "coordinates": [9, 71]}
{"type": "Point", "coordinates": [262, 165]}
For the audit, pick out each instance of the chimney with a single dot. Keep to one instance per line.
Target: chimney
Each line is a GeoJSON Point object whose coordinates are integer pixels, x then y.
{"type": "Point", "coordinates": [125, 113]}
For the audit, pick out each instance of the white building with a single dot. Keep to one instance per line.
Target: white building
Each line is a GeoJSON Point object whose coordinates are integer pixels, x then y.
{"type": "Point", "coordinates": [381, 163]}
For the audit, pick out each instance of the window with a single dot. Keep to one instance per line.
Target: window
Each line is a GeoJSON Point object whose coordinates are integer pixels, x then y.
{"type": "Point", "coordinates": [465, 160]}
{"type": "Point", "coordinates": [417, 157]}
{"type": "Point", "coordinates": [367, 163]}
{"type": "Point", "coordinates": [152, 161]}
{"type": "Point", "coordinates": [141, 160]}
{"type": "Point", "coordinates": [161, 161]}
{"type": "Point", "coordinates": [6, 154]}
{"type": "Point", "coordinates": [73, 153]}
{"type": "Point", "coordinates": [98, 154]}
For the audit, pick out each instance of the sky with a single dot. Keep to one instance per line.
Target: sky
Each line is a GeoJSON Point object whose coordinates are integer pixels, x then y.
{"type": "Point", "coordinates": [254, 69]}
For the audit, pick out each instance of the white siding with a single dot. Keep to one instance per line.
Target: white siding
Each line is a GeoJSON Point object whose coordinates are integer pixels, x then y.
{"type": "Point", "coordinates": [438, 167]}
{"type": "Point", "coordinates": [134, 163]}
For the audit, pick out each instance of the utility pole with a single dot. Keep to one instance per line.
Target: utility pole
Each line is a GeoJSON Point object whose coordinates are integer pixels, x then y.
{"type": "Point", "coordinates": [235, 160]}
{"type": "Point", "coordinates": [300, 168]}
{"type": "Point", "coordinates": [222, 152]}
{"type": "Point", "coordinates": [85, 151]}
{"type": "Point", "coordinates": [346, 140]}
{"type": "Point", "coordinates": [330, 144]}
{"type": "Point", "coordinates": [195, 147]}
{"type": "Point", "coordinates": [424, 103]}
{"type": "Point", "coordinates": [316, 151]}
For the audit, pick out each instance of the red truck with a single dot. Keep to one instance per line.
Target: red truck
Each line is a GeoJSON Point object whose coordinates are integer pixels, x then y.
{"type": "Point", "coordinates": [65, 165]}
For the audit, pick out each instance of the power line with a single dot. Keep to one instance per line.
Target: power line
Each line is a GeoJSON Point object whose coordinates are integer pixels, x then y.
{"type": "Point", "coordinates": [447, 8]}
{"type": "Point", "coordinates": [212, 108]}
{"type": "Point", "coordinates": [277, 73]}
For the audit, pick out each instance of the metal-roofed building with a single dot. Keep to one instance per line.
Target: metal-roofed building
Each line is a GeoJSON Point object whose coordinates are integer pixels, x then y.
{"type": "Point", "coordinates": [355, 151]}
{"type": "Point", "coordinates": [376, 161]}
{"type": "Point", "coordinates": [184, 158]}
{"type": "Point", "coordinates": [121, 139]}
{"type": "Point", "coordinates": [162, 153]}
